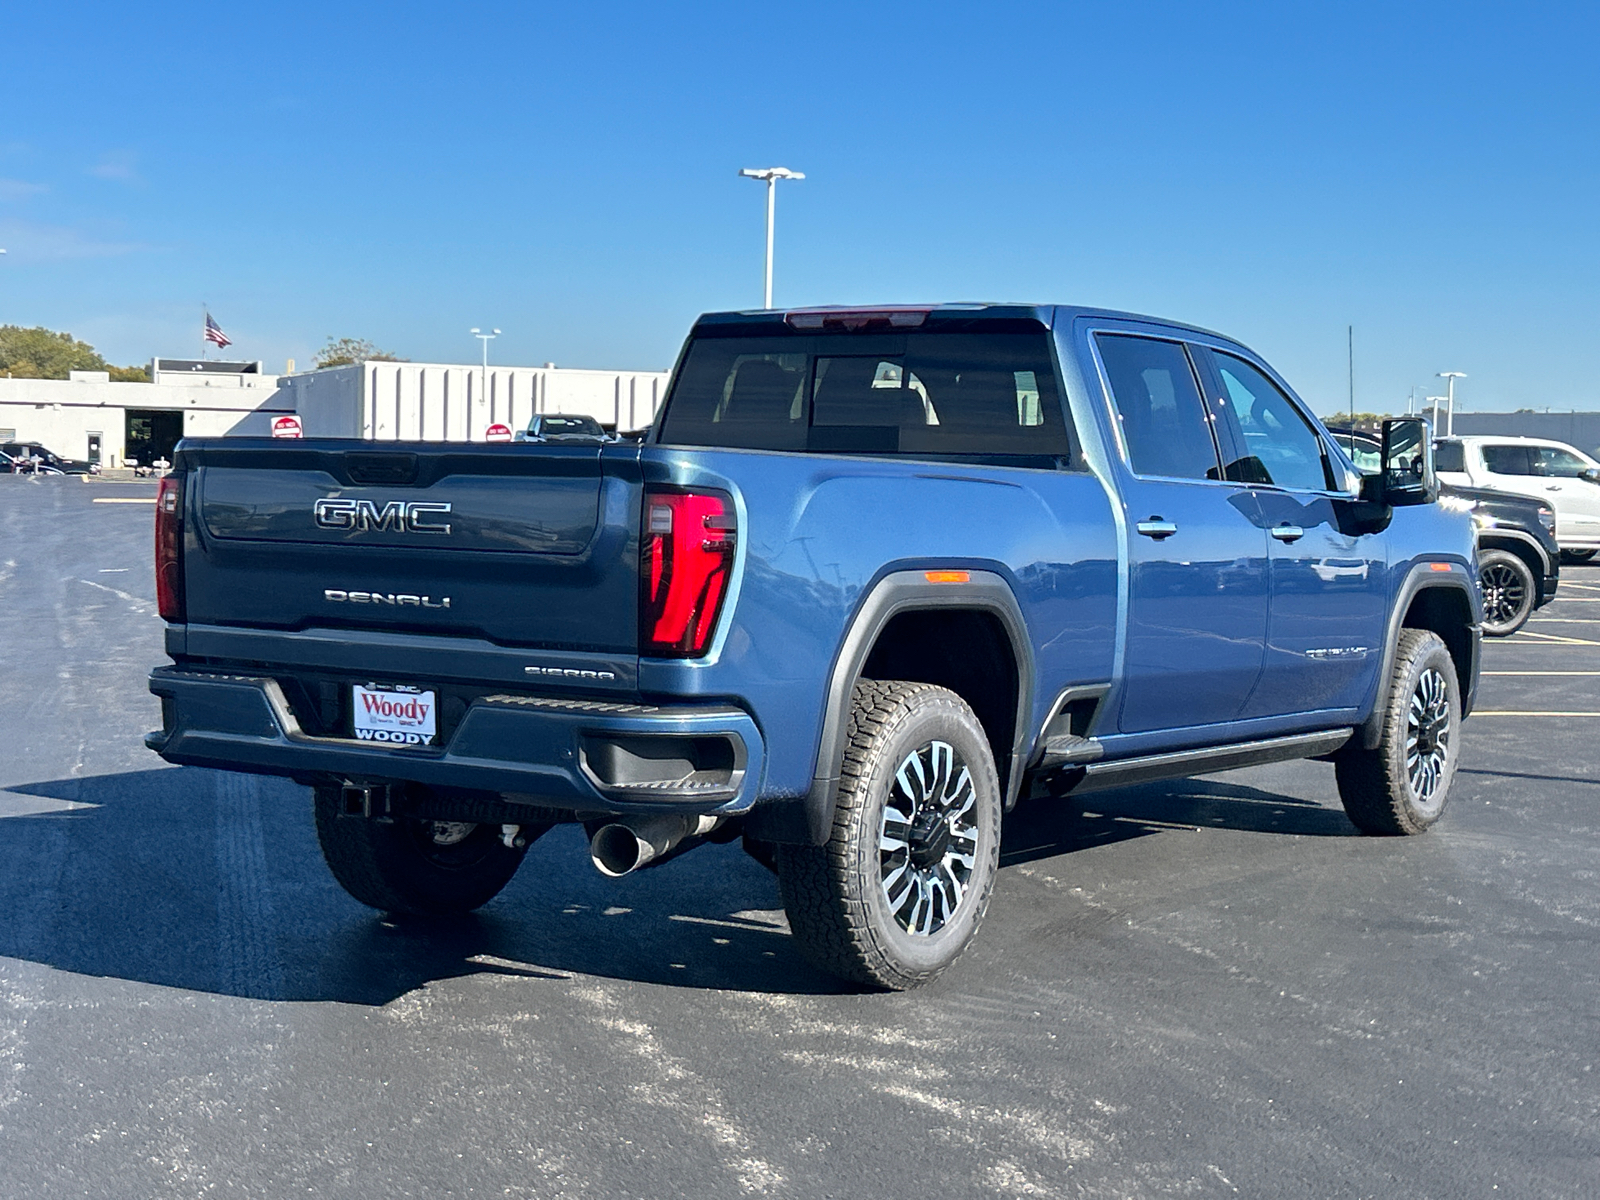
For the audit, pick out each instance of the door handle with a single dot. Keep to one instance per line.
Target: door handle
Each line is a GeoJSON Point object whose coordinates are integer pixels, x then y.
{"type": "Point", "coordinates": [1156, 528]}
{"type": "Point", "coordinates": [1287, 532]}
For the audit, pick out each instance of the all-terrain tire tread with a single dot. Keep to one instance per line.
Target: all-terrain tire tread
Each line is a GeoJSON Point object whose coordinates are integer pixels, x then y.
{"type": "Point", "coordinates": [1372, 783]}
{"type": "Point", "coordinates": [829, 922]}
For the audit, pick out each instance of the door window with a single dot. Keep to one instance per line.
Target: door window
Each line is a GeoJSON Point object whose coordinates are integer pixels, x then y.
{"type": "Point", "coordinates": [1559, 464]}
{"type": "Point", "coordinates": [1159, 410]}
{"type": "Point", "coordinates": [1509, 459]}
{"type": "Point", "coordinates": [1449, 456]}
{"type": "Point", "coordinates": [1275, 434]}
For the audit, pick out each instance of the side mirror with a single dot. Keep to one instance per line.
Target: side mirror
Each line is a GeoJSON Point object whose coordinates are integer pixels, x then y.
{"type": "Point", "coordinates": [1592, 474]}
{"type": "Point", "coordinates": [1407, 476]}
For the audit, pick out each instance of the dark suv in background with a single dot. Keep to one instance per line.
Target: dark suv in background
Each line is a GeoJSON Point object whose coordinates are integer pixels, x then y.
{"type": "Point", "coordinates": [1518, 558]}
{"type": "Point", "coordinates": [31, 457]}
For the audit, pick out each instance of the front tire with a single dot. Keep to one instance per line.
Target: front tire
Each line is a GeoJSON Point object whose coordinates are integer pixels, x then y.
{"type": "Point", "coordinates": [1401, 786]}
{"type": "Point", "coordinates": [898, 890]}
{"type": "Point", "coordinates": [410, 865]}
{"type": "Point", "coordinates": [1509, 592]}
{"type": "Point", "coordinates": [1574, 557]}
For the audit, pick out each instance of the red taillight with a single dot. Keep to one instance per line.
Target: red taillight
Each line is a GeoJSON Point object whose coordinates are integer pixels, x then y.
{"type": "Point", "coordinates": [688, 541]}
{"type": "Point", "coordinates": [169, 548]}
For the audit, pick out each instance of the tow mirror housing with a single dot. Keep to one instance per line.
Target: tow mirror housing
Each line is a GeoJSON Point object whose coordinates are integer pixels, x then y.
{"type": "Point", "coordinates": [1407, 476]}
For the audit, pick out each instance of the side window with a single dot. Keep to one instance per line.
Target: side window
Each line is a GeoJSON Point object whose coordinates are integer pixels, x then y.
{"type": "Point", "coordinates": [1561, 464]}
{"type": "Point", "coordinates": [1449, 456]}
{"type": "Point", "coordinates": [1508, 460]}
{"type": "Point", "coordinates": [1276, 435]}
{"type": "Point", "coordinates": [1162, 417]}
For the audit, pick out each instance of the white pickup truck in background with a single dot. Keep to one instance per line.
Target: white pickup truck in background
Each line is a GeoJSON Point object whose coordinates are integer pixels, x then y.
{"type": "Point", "coordinates": [1563, 477]}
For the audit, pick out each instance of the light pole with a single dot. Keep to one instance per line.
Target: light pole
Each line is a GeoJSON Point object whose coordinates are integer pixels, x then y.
{"type": "Point", "coordinates": [485, 338]}
{"type": "Point", "coordinates": [771, 175]}
{"type": "Point", "coordinates": [1450, 378]}
{"type": "Point", "coordinates": [1434, 400]}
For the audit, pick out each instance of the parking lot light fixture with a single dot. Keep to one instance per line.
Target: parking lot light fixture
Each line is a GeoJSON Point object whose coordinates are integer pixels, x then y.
{"type": "Point", "coordinates": [771, 175]}
{"type": "Point", "coordinates": [485, 338]}
{"type": "Point", "coordinates": [1450, 378]}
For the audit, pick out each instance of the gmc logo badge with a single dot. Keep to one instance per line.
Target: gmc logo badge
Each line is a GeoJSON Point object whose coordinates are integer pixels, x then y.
{"type": "Point", "coordinates": [364, 516]}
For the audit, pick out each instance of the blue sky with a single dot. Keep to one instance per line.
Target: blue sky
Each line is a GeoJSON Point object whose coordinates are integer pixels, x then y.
{"type": "Point", "coordinates": [1426, 172]}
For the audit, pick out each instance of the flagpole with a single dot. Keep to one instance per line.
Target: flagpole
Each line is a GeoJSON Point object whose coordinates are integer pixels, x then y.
{"type": "Point", "coordinates": [205, 313]}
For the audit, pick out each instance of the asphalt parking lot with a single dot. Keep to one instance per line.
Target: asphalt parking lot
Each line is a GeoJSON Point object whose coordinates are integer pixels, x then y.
{"type": "Point", "coordinates": [1208, 988]}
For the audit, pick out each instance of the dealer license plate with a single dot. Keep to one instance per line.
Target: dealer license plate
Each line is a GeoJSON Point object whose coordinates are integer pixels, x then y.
{"type": "Point", "coordinates": [402, 716]}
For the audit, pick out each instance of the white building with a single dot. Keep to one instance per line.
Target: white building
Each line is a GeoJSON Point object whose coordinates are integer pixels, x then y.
{"type": "Point", "coordinates": [440, 402]}
{"type": "Point", "coordinates": [88, 417]}
{"type": "Point", "coordinates": [117, 424]}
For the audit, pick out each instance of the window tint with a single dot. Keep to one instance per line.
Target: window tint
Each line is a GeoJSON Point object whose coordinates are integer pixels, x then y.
{"type": "Point", "coordinates": [935, 394]}
{"type": "Point", "coordinates": [1159, 409]}
{"type": "Point", "coordinates": [1560, 463]}
{"type": "Point", "coordinates": [1276, 435]}
{"type": "Point", "coordinates": [1508, 460]}
{"type": "Point", "coordinates": [1449, 456]}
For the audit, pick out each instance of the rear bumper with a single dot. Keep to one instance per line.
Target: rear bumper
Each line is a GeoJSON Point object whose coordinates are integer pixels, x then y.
{"type": "Point", "coordinates": [592, 756]}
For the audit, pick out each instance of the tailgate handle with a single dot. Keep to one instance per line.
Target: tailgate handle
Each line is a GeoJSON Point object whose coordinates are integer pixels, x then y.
{"type": "Point", "coordinates": [380, 467]}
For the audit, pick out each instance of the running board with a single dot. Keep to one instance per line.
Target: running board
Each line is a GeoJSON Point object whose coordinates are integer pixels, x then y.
{"type": "Point", "coordinates": [1181, 763]}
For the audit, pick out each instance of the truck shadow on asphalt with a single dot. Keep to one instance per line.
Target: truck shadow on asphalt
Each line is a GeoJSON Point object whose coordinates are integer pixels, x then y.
{"type": "Point", "coordinates": [1046, 827]}
{"type": "Point", "coordinates": [213, 882]}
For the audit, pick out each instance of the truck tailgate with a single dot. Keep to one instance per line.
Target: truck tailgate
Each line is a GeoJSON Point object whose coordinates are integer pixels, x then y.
{"type": "Point", "coordinates": [518, 545]}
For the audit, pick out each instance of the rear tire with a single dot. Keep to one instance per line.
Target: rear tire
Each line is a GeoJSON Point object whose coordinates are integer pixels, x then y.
{"type": "Point", "coordinates": [1401, 786]}
{"type": "Point", "coordinates": [898, 890]}
{"type": "Point", "coordinates": [412, 866]}
{"type": "Point", "coordinates": [1509, 592]}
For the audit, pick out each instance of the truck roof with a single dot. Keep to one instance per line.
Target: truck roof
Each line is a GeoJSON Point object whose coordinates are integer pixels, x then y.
{"type": "Point", "coordinates": [906, 316]}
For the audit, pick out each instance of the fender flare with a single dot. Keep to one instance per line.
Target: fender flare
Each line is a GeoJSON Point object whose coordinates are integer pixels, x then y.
{"type": "Point", "coordinates": [1489, 538]}
{"type": "Point", "coordinates": [1420, 578]}
{"type": "Point", "coordinates": [807, 819]}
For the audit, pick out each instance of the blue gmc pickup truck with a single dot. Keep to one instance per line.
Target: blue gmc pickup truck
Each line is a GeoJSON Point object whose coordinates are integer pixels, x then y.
{"type": "Point", "coordinates": [874, 576]}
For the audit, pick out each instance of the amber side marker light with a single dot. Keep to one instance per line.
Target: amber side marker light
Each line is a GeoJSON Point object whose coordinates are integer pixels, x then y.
{"type": "Point", "coordinates": [948, 576]}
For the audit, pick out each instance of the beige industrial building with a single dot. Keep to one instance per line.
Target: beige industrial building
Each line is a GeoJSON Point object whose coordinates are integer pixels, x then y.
{"type": "Point", "coordinates": [125, 424]}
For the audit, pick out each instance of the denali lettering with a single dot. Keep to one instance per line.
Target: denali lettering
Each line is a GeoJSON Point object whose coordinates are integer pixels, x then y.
{"type": "Point", "coordinates": [572, 673]}
{"type": "Point", "coordinates": [364, 516]}
{"type": "Point", "coordinates": [395, 599]}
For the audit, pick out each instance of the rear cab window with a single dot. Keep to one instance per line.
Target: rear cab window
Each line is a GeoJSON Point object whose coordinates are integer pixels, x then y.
{"type": "Point", "coordinates": [927, 393]}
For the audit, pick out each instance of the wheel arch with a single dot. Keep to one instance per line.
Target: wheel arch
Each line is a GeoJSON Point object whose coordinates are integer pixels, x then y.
{"type": "Point", "coordinates": [1440, 601]}
{"type": "Point", "coordinates": [904, 614]}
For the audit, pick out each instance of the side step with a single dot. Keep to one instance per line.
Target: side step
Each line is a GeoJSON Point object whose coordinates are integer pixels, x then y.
{"type": "Point", "coordinates": [1068, 748]}
{"type": "Point", "coordinates": [1181, 763]}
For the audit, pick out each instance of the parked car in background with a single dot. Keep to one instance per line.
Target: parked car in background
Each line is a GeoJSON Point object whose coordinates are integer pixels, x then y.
{"type": "Point", "coordinates": [1565, 478]}
{"type": "Point", "coordinates": [562, 427]}
{"type": "Point", "coordinates": [43, 460]}
{"type": "Point", "coordinates": [1518, 556]}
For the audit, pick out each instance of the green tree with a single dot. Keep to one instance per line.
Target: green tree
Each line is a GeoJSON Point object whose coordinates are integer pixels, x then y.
{"type": "Point", "coordinates": [129, 374]}
{"type": "Point", "coordinates": [41, 353]}
{"type": "Point", "coordinates": [341, 352]}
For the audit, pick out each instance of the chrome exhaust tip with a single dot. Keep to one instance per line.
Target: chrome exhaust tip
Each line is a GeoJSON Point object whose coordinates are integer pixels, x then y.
{"type": "Point", "coordinates": [619, 848]}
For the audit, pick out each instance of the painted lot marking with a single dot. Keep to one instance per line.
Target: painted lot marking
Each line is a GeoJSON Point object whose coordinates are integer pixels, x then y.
{"type": "Point", "coordinates": [1512, 712]}
{"type": "Point", "coordinates": [124, 500]}
{"type": "Point", "coordinates": [1540, 672]}
{"type": "Point", "coordinates": [1565, 621]}
{"type": "Point", "coordinates": [1527, 637]}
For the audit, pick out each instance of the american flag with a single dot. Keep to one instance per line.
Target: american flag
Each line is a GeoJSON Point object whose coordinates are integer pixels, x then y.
{"type": "Point", "coordinates": [214, 333]}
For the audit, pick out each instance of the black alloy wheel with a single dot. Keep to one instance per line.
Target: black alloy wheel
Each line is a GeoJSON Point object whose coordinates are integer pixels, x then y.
{"type": "Point", "coordinates": [1509, 592]}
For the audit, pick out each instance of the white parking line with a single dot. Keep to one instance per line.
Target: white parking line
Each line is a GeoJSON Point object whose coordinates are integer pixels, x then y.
{"type": "Point", "coordinates": [1540, 672]}
{"type": "Point", "coordinates": [124, 500]}
{"type": "Point", "coordinates": [1565, 621]}
{"type": "Point", "coordinates": [1529, 713]}
{"type": "Point", "coordinates": [1528, 637]}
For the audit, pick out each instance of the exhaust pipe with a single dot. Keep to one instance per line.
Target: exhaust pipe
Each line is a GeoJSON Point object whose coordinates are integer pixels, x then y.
{"type": "Point", "coordinates": [621, 847]}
